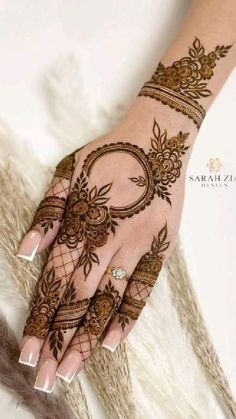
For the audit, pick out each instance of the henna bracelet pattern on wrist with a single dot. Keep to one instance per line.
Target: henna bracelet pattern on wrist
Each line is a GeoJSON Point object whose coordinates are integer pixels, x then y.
{"type": "Point", "coordinates": [143, 280]}
{"type": "Point", "coordinates": [181, 84]}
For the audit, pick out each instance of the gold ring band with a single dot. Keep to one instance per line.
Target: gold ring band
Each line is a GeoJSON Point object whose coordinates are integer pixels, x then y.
{"type": "Point", "coordinates": [117, 272]}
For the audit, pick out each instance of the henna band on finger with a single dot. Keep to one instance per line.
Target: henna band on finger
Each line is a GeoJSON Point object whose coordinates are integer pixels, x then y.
{"type": "Point", "coordinates": [143, 279]}
{"type": "Point", "coordinates": [117, 273]}
{"type": "Point", "coordinates": [50, 209]}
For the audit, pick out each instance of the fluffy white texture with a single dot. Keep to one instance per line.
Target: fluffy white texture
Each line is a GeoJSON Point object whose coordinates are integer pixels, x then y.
{"type": "Point", "coordinates": [167, 378]}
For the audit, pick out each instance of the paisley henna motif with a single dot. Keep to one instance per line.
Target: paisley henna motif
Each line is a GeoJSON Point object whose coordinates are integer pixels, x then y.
{"type": "Point", "coordinates": [143, 279]}
{"type": "Point", "coordinates": [43, 306]}
{"type": "Point", "coordinates": [181, 84]}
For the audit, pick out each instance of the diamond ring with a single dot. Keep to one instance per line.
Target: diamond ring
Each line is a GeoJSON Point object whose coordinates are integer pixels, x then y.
{"type": "Point", "coordinates": [117, 273]}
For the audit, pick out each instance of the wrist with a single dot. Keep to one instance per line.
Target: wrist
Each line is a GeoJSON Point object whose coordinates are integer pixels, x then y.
{"type": "Point", "coordinates": [137, 123]}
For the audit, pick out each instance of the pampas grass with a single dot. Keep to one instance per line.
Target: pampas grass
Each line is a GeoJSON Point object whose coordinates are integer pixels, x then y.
{"type": "Point", "coordinates": [19, 379]}
{"type": "Point", "coordinates": [185, 301]}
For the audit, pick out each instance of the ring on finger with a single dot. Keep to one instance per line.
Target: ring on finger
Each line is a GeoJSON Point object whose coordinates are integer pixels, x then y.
{"type": "Point", "coordinates": [117, 272]}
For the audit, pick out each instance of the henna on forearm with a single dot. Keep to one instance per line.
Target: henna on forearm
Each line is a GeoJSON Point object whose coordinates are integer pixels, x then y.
{"type": "Point", "coordinates": [183, 83]}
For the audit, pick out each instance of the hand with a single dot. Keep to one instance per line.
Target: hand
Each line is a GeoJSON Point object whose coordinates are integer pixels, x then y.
{"type": "Point", "coordinates": [111, 216]}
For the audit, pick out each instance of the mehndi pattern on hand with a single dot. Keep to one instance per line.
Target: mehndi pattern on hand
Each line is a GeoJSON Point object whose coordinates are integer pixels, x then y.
{"type": "Point", "coordinates": [143, 279]}
{"type": "Point", "coordinates": [182, 83]}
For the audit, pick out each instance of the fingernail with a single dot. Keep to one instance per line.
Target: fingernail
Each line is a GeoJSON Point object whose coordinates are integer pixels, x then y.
{"type": "Point", "coordinates": [29, 245]}
{"type": "Point", "coordinates": [112, 340]}
{"type": "Point", "coordinates": [69, 366]}
{"type": "Point", "coordinates": [46, 376]}
{"type": "Point", "coordinates": [30, 352]}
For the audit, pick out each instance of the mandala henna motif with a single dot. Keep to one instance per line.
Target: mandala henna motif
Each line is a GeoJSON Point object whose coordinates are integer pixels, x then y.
{"type": "Point", "coordinates": [88, 220]}
{"type": "Point", "coordinates": [181, 84]}
{"type": "Point", "coordinates": [143, 279]}
{"type": "Point", "coordinates": [68, 316]}
{"type": "Point", "coordinates": [43, 306]}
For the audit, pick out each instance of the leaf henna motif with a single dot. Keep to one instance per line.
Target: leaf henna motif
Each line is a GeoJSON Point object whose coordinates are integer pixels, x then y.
{"type": "Point", "coordinates": [186, 80]}
{"type": "Point", "coordinates": [43, 306]}
{"type": "Point", "coordinates": [89, 220]}
{"type": "Point", "coordinates": [143, 279]}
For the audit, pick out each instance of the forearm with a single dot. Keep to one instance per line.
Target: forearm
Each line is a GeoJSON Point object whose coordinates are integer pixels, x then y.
{"type": "Point", "coordinates": [191, 72]}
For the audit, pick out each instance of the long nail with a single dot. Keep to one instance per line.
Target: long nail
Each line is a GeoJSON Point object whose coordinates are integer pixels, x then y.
{"type": "Point", "coordinates": [30, 352]}
{"type": "Point", "coordinates": [69, 366]}
{"type": "Point", "coordinates": [46, 376]}
{"type": "Point", "coordinates": [29, 245]}
{"type": "Point", "coordinates": [112, 340]}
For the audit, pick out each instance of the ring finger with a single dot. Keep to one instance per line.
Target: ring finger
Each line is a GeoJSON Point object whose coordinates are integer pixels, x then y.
{"type": "Point", "coordinates": [103, 306]}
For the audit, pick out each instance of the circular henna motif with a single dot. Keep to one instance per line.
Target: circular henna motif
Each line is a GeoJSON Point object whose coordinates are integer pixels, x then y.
{"type": "Point", "coordinates": [139, 155]}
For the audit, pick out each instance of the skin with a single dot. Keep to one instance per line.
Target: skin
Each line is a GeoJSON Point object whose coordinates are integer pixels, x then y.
{"type": "Point", "coordinates": [134, 236]}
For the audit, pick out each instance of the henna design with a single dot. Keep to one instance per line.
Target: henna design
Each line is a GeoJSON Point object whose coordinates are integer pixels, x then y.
{"type": "Point", "coordinates": [180, 84]}
{"type": "Point", "coordinates": [66, 166]}
{"type": "Point", "coordinates": [101, 309]}
{"type": "Point", "coordinates": [52, 207]}
{"type": "Point", "coordinates": [89, 220]}
{"type": "Point", "coordinates": [44, 305]}
{"type": "Point", "coordinates": [137, 153]}
{"type": "Point", "coordinates": [143, 279]}
{"type": "Point", "coordinates": [68, 316]}
{"type": "Point", "coordinates": [103, 306]}
{"type": "Point", "coordinates": [164, 158]}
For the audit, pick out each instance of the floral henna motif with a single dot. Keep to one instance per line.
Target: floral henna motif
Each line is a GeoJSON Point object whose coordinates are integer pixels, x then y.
{"type": "Point", "coordinates": [180, 84]}
{"type": "Point", "coordinates": [52, 207]}
{"type": "Point", "coordinates": [138, 154]}
{"type": "Point", "coordinates": [88, 220]}
{"type": "Point", "coordinates": [103, 306]}
{"type": "Point", "coordinates": [143, 279]}
{"type": "Point", "coordinates": [68, 316]}
{"type": "Point", "coordinates": [164, 158]}
{"type": "Point", "coordinates": [43, 306]}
